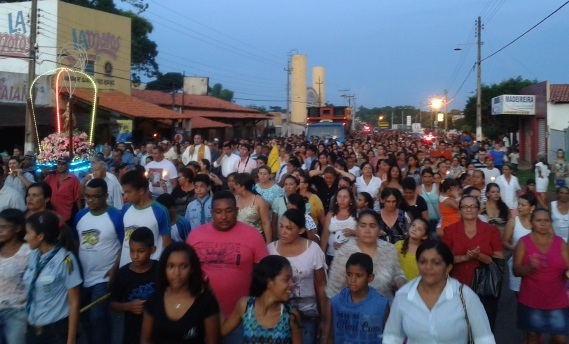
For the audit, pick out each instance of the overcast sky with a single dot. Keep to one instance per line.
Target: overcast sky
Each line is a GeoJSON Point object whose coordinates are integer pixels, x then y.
{"type": "Point", "coordinates": [385, 52]}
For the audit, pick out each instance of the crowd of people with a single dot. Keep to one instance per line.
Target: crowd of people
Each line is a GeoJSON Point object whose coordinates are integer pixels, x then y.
{"type": "Point", "coordinates": [380, 239]}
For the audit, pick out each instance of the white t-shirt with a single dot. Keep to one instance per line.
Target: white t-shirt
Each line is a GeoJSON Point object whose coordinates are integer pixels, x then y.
{"type": "Point", "coordinates": [155, 217]}
{"type": "Point", "coordinates": [156, 171]}
{"type": "Point", "coordinates": [372, 188]}
{"type": "Point", "coordinates": [488, 174]}
{"type": "Point", "coordinates": [303, 295]}
{"type": "Point", "coordinates": [355, 171]}
{"type": "Point", "coordinates": [100, 238]}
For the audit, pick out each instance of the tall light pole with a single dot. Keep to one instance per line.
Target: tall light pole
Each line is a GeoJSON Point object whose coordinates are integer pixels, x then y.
{"type": "Point", "coordinates": [479, 83]}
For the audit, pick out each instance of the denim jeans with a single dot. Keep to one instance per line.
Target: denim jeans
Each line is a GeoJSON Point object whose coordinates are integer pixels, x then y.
{"type": "Point", "coordinates": [12, 326]}
{"type": "Point", "coordinates": [235, 337]}
{"type": "Point", "coordinates": [310, 330]}
{"type": "Point", "coordinates": [96, 321]}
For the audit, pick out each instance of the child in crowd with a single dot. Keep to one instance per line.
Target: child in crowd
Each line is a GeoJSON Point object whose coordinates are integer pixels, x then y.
{"type": "Point", "coordinates": [179, 224]}
{"type": "Point", "coordinates": [134, 283]}
{"type": "Point", "coordinates": [530, 188]}
{"type": "Point", "coordinates": [265, 315]}
{"type": "Point", "coordinates": [514, 158]}
{"type": "Point", "coordinates": [199, 210]}
{"type": "Point", "coordinates": [364, 201]}
{"type": "Point", "coordinates": [406, 248]}
{"type": "Point", "coordinates": [359, 312]}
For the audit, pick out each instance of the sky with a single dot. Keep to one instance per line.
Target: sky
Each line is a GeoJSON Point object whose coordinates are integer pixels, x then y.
{"type": "Point", "coordinates": [386, 53]}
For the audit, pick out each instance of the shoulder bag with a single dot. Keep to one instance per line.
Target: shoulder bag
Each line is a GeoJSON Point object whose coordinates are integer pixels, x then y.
{"type": "Point", "coordinates": [487, 279]}
{"type": "Point", "coordinates": [470, 338]}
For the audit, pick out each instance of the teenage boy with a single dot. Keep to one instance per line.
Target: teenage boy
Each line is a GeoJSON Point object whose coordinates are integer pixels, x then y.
{"type": "Point", "coordinates": [198, 211]}
{"type": "Point", "coordinates": [142, 211]}
{"type": "Point", "coordinates": [359, 312]}
{"type": "Point", "coordinates": [100, 233]}
{"type": "Point", "coordinates": [135, 283]}
{"type": "Point", "coordinates": [180, 227]}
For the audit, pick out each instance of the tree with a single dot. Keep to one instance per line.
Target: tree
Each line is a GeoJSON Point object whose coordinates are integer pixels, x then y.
{"type": "Point", "coordinates": [218, 91]}
{"type": "Point", "coordinates": [493, 126]}
{"type": "Point", "coordinates": [261, 109]}
{"type": "Point", "coordinates": [167, 82]}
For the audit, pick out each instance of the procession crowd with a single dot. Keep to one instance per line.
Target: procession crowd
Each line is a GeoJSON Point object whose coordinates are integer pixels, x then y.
{"type": "Point", "coordinates": [383, 238]}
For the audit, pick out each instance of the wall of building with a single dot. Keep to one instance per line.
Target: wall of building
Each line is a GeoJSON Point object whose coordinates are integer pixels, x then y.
{"type": "Point", "coordinates": [533, 129]}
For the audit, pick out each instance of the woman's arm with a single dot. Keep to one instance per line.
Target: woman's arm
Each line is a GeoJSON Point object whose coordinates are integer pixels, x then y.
{"type": "Point", "coordinates": [325, 232]}
{"type": "Point", "coordinates": [346, 174]}
{"type": "Point", "coordinates": [147, 325]}
{"type": "Point", "coordinates": [519, 269]}
{"type": "Point", "coordinates": [508, 233]}
{"type": "Point", "coordinates": [73, 297]}
{"type": "Point", "coordinates": [263, 209]}
{"type": "Point", "coordinates": [295, 327]}
{"type": "Point", "coordinates": [320, 288]}
{"type": "Point", "coordinates": [451, 203]}
{"type": "Point", "coordinates": [212, 326]}
{"type": "Point", "coordinates": [231, 323]}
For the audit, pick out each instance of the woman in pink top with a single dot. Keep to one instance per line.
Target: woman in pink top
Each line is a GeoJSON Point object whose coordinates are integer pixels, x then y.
{"type": "Point", "coordinates": [541, 259]}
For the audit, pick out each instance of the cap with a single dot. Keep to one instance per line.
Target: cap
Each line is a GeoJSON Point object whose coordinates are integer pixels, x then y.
{"type": "Point", "coordinates": [165, 142]}
{"type": "Point", "coordinates": [489, 157]}
{"type": "Point", "coordinates": [64, 159]}
{"type": "Point", "coordinates": [216, 140]}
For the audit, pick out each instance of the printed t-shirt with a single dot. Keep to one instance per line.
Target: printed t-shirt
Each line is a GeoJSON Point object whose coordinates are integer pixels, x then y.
{"type": "Point", "coordinates": [227, 259]}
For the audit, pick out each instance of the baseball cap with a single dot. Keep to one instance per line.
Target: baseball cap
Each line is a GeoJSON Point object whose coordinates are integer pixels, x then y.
{"type": "Point", "coordinates": [165, 142]}
{"type": "Point", "coordinates": [64, 159]}
{"type": "Point", "coordinates": [489, 157]}
{"type": "Point", "coordinates": [216, 140]}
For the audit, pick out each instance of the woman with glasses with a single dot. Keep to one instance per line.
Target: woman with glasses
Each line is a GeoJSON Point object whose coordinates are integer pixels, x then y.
{"type": "Point", "coordinates": [369, 183]}
{"type": "Point", "coordinates": [473, 243]}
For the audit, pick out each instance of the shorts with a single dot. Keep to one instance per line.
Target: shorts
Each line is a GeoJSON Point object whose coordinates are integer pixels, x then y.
{"type": "Point", "coordinates": [552, 322]}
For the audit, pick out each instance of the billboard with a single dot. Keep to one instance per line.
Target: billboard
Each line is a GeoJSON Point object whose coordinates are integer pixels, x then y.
{"type": "Point", "coordinates": [14, 89]}
{"type": "Point", "coordinates": [508, 104]}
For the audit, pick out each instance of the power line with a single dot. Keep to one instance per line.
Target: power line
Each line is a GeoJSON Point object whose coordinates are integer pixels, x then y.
{"type": "Point", "coordinates": [523, 34]}
{"type": "Point", "coordinates": [464, 81]}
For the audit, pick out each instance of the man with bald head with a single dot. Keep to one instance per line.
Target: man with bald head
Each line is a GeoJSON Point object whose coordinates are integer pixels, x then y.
{"type": "Point", "coordinates": [114, 190]}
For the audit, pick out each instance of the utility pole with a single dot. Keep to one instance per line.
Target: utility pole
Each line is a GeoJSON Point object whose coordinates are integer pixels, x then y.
{"type": "Point", "coordinates": [446, 117]}
{"type": "Point", "coordinates": [319, 96]}
{"type": "Point", "coordinates": [288, 71]}
{"type": "Point", "coordinates": [29, 144]}
{"type": "Point", "coordinates": [479, 82]}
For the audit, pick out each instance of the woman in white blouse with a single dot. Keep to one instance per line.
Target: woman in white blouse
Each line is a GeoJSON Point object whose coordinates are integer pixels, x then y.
{"type": "Point", "coordinates": [435, 308]}
{"type": "Point", "coordinates": [510, 189]}
{"type": "Point", "coordinates": [386, 268]}
{"type": "Point", "coordinates": [369, 183]}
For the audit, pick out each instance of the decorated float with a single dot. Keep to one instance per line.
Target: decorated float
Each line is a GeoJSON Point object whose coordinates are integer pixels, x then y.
{"type": "Point", "coordinates": [67, 141]}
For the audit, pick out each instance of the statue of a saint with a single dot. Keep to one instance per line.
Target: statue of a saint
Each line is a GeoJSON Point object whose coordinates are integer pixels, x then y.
{"type": "Point", "coordinates": [67, 120]}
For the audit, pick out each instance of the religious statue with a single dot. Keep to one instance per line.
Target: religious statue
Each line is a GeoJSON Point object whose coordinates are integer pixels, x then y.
{"type": "Point", "coordinates": [67, 120]}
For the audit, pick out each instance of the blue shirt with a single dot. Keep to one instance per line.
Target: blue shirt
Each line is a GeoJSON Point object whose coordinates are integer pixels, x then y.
{"type": "Point", "coordinates": [180, 230]}
{"type": "Point", "coordinates": [198, 212]}
{"type": "Point", "coordinates": [49, 302]}
{"type": "Point", "coordinates": [128, 158]}
{"type": "Point", "coordinates": [358, 323]}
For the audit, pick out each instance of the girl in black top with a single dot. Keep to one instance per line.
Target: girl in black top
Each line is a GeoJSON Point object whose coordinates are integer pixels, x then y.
{"type": "Point", "coordinates": [183, 309]}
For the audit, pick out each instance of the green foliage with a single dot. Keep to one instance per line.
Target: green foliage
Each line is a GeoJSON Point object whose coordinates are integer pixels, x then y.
{"type": "Point", "coordinates": [492, 126]}
{"type": "Point", "coordinates": [218, 91]}
{"type": "Point", "coordinates": [167, 82]}
{"type": "Point", "coordinates": [399, 114]}
{"type": "Point", "coordinates": [261, 109]}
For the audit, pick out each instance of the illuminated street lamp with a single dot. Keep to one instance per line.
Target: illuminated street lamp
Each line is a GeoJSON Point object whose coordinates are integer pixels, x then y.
{"type": "Point", "coordinates": [441, 104]}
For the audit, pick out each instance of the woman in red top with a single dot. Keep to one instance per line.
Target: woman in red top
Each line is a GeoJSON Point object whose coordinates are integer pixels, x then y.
{"type": "Point", "coordinates": [473, 243]}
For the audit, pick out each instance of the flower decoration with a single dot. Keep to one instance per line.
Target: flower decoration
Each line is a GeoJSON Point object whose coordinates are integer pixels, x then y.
{"type": "Point", "coordinates": [56, 146]}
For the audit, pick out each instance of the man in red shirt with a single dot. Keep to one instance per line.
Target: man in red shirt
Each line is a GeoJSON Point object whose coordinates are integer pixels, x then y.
{"type": "Point", "coordinates": [64, 190]}
{"type": "Point", "coordinates": [442, 151]}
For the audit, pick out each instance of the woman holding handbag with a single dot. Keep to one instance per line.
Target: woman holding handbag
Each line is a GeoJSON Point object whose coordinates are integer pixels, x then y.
{"type": "Point", "coordinates": [541, 259]}
{"type": "Point", "coordinates": [424, 308]}
{"type": "Point", "coordinates": [475, 245]}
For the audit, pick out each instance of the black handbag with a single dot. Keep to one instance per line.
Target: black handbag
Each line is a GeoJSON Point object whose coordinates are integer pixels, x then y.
{"type": "Point", "coordinates": [488, 278]}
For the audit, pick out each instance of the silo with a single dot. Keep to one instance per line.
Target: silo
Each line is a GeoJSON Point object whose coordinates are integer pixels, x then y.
{"type": "Point", "coordinates": [319, 83]}
{"type": "Point", "coordinates": [298, 89]}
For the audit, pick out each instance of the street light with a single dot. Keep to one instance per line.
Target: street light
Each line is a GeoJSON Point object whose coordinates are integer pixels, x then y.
{"type": "Point", "coordinates": [441, 104]}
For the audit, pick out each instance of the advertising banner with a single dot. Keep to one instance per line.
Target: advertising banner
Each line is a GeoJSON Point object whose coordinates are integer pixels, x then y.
{"type": "Point", "coordinates": [508, 104]}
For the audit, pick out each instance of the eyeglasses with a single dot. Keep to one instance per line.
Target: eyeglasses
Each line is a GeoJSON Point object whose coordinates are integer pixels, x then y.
{"type": "Point", "coordinates": [93, 197]}
{"type": "Point", "coordinates": [469, 207]}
